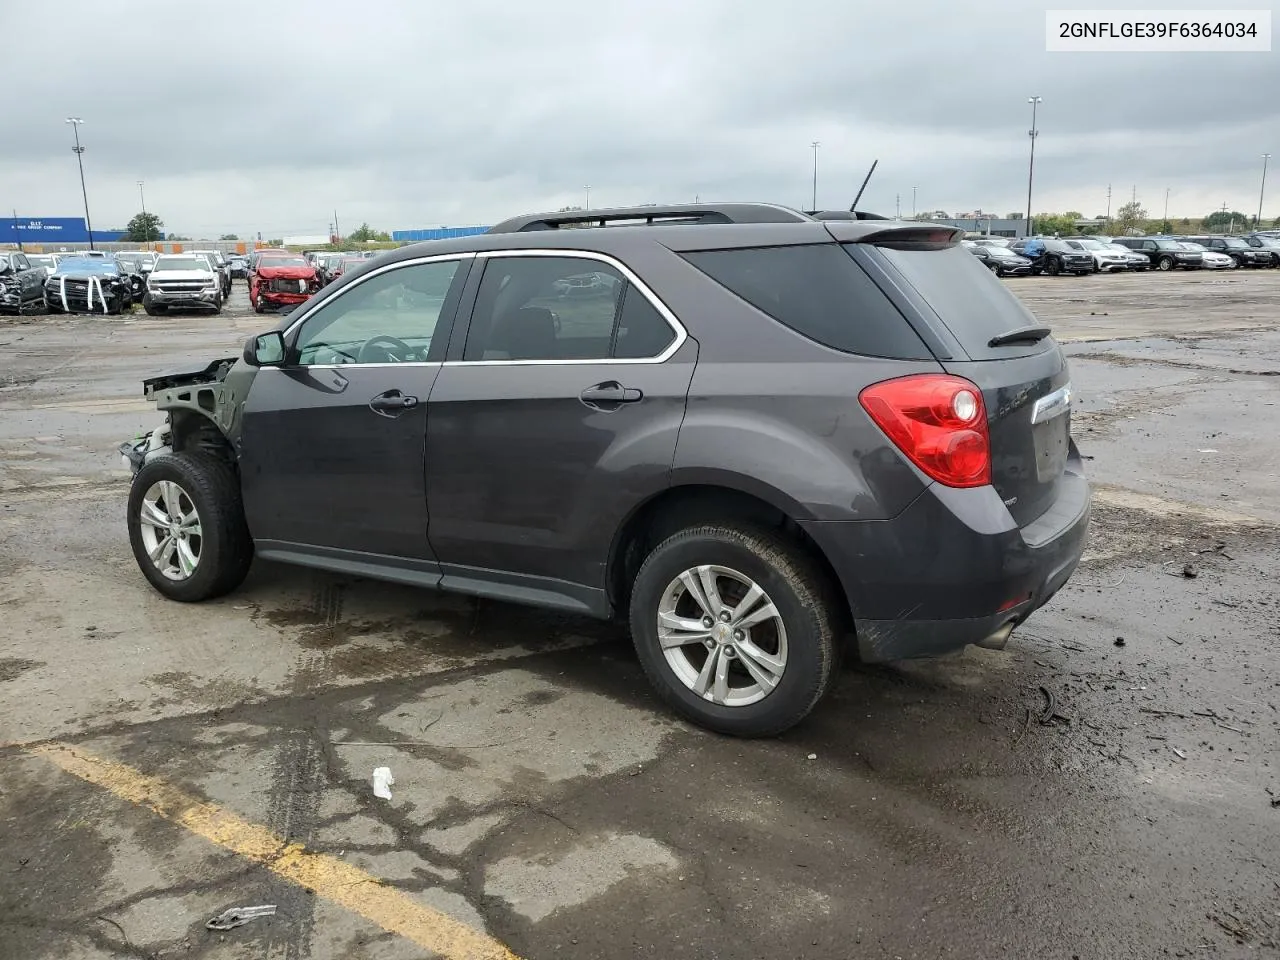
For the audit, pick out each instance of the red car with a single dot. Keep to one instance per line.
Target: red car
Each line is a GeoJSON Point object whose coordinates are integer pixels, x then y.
{"type": "Point", "coordinates": [281, 279]}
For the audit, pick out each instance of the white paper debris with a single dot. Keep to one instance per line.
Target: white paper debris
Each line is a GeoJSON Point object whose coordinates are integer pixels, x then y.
{"type": "Point", "coordinates": [382, 781]}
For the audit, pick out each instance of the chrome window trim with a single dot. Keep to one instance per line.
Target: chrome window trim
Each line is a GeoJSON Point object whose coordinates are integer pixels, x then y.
{"type": "Point", "coordinates": [360, 366]}
{"type": "Point", "coordinates": [681, 335]}
{"type": "Point", "coordinates": [288, 332]}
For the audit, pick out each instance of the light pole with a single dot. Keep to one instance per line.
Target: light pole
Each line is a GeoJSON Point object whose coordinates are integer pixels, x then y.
{"type": "Point", "coordinates": [913, 202]}
{"type": "Point", "coordinates": [75, 125]}
{"type": "Point", "coordinates": [587, 188]}
{"type": "Point", "coordinates": [1031, 170]}
{"type": "Point", "coordinates": [146, 226]}
{"type": "Point", "coordinates": [1257, 223]}
{"type": "Point", "coordinates": [816, 144]}
{"type": "Point", "coordinates": [1166, 204]}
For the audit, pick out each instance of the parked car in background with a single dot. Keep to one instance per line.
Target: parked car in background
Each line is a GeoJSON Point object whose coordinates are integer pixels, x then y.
{"type": "Point", "coordinates": [856, 433]}
{"type": "Point", "coordinates": [87, 285]}
{"type": "Point", "coordinates": [239, 267]}
{"type": "Point", "coordinates": [1236, 248]}
{"type": "Point", "coordinates": [1138, 262]}
{"type": "Point", "coordinates": [139, 260]}
{"type": "Point", "coordinates": [1210, 259]}
{"type": "Point", "coordinates": [1105, 259]}
{"type": "Point", "coordinates": [1263, 242]}
{"type": "Point", "coordinates": [1164, 253]}
{"type": "Point", "coordinates": [21, 284]}
{"type": "Point", "coordinates": [281, 279]}
{"type": "Point", "coordinates": [183, 281]}
{"type": "Point", "coordinates": [1058, 257]}
{"type": "Point", "coordinates": [92, 255]}
{"type": "Point", "coordinates": [132, 269]}
{"type": "Point", "coordinates": [220, 265]}
{"type": "Point", "coordinates": [999, 259]}
{"type": "Point", "coordinates": [48, 262]}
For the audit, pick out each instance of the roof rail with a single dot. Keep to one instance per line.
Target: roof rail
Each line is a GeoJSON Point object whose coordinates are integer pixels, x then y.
{"type": "Point", "coordinates": [694, 213]}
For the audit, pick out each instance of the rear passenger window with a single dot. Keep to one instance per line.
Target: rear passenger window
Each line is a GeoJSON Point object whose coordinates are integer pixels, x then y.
{"type": "Point", "coordinates": [561, 308]}
{"type": "Point", "coordinates": [820, 292]}
{"type": "Point", "coordinates": [641, 330]}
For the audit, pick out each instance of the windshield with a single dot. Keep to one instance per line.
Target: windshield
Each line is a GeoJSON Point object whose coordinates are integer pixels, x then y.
{"type": "Point", "coordinates": [182, 263]}
{"type": "Point", "coordinates": [85, 265]}
{"type": "Point", "coordinates": [266, 262]}
{"type": "Point", "coordinates": [1092, 244]}
{"type": "Point", "coordinates": [41, 260]}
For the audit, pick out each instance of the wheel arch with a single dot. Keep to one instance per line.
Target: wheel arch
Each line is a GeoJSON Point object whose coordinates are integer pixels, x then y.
{"type": "Point", "coordinates": [691, 504]}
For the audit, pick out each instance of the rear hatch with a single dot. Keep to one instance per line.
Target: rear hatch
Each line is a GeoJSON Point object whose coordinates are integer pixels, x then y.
{"type": "Point", "coordinates": [1024, 379]}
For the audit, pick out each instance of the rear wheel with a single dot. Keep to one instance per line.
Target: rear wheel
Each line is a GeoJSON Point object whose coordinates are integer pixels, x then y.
{"type": "Point", "coordinates": [736, 628]}
{"type": "Point", "coordinates": [187, 527]}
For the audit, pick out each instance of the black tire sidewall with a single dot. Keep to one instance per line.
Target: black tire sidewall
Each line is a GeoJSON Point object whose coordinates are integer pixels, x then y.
{"type": "Point", "coordinates": [224, 541]}
{"type": "Point", "coordinates": [808, 627]}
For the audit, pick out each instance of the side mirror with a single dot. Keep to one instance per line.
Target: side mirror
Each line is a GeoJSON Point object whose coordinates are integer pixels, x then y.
{"type": "Point", "coordinates": [265, 350]}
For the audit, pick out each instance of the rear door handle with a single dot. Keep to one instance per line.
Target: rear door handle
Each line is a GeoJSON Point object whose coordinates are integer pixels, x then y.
{"type": "Point", "coordinates": [392, 403]}
{"type": "Point", "coordinates": [609, 395]}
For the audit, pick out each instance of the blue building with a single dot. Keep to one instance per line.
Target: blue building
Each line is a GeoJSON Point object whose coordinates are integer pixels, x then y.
{"type": "Point", "coordinates": [436, 233]}
{"type": "Point", "coordinates": [51, 231]}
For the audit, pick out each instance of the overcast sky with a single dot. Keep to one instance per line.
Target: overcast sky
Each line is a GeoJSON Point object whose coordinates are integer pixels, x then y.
{"type": "Point", "coordinates": [267, 116]}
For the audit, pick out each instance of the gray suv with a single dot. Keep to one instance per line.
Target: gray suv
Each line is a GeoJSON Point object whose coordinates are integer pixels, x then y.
{"type": "Point", "coordinates": [755, 434]}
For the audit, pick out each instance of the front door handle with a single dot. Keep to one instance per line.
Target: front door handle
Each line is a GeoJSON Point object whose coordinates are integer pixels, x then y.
{"type": "Point", "coordinates": [609, 395]}
{"type": "Point", "coordinates": [392, 403]}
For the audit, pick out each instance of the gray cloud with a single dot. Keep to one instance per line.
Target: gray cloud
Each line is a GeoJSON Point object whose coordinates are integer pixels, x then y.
{"type": "Point", "coordinates": [268, 117]}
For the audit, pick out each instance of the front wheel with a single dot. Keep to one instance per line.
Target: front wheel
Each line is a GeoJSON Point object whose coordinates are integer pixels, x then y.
{"type": "Point", "coordinates": [1053, 267]}
{"type": "Point", "coordinates": [1164, 263]}
{"type": "Point", "coordinates": [736, 628]}
{"type": "Point", "coordinates": [187, 526]}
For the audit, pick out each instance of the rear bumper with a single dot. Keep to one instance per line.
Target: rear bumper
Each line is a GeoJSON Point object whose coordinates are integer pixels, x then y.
{"type": "Point", "coordinates": [953, 568]}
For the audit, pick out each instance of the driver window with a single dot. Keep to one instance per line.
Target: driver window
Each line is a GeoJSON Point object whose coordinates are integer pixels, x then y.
{"type": "Point", "coordinates": [389, 318]}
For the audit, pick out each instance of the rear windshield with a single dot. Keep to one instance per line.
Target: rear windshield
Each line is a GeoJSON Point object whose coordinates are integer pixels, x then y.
{"type": "Point", "coordinates": [820, 292]}
{"type": "Point", "coordinates": [964, 294]}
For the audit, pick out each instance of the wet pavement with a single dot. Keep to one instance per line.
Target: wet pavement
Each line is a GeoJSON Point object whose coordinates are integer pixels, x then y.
{"type": "Point", "coordinates": [1108, 786]}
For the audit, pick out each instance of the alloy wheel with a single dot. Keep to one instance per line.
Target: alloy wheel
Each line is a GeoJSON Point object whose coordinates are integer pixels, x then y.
{"type": "Point", "coordinates": [722, 636]}
{"type": "Point", "coordinates": [170, 528]}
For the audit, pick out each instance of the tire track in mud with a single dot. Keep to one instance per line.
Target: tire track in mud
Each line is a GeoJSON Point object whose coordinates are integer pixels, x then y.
{"type": "Point", "coordinates": [299, 777]}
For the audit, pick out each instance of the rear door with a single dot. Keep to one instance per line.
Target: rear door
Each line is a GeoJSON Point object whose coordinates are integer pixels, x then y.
{"type": "Point", "coordinates": [1025, 386]}
{"type": "Point", "coordinates": [556, 413]}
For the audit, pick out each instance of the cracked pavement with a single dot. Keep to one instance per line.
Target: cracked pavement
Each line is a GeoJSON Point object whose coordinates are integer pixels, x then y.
{"type": "Point", "coordinates": [544, 797]}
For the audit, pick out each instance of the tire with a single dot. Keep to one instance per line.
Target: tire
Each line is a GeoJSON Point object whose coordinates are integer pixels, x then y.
{"type": "Point", "coordinates": [806, 607]}
{"type": "Point", "coordinates": [153, 310]}
{"type": "Point", "coordinates": [257, 305]}
{"type": "Point", "coordinates": [994, 268]}
{"type": "Point", "coordinates": [224, 552]}
{"type": "Point", "coordinates": [1164, 263]}
{"type": "Point", "coordinates": [1052, 267]}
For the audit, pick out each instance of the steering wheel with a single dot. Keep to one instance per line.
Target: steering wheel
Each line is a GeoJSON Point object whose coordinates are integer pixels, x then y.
{"type": "Point", "coordinates": [382, 342]}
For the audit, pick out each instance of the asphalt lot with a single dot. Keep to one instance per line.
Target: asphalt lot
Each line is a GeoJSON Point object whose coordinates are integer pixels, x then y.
{"type": "Point", "coordinates": [544, 799]}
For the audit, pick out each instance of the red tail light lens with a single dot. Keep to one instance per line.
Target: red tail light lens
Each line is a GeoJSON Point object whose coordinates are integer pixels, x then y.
{"type": "Point", "coordinates": [939, 422]}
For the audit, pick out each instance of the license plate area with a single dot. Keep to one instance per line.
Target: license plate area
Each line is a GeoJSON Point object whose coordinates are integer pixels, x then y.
{"type": "Point", "coordinates": [1052, 440]}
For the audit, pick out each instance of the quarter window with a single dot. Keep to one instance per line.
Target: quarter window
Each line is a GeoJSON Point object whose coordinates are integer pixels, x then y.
{"type": "Point", "coordinates": [389, 318]}
{"type": "Point", "coordinates": [561, 308]}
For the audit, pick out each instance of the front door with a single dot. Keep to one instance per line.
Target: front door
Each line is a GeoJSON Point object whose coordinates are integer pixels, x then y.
{"type": "Point", "coordinates": [560, 414]}
{"type": "Point", "coordinates": [333, 441]}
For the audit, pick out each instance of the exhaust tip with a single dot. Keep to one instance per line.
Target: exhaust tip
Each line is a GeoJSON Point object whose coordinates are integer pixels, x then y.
{"type": "Point", "coordinates": [998, 639]}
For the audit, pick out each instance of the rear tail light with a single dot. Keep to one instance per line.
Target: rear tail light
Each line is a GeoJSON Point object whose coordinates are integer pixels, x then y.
{"type": "Point", "coordinates": [939, 422]}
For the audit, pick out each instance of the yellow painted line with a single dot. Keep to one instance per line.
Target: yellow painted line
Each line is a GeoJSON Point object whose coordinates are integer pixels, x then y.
{"type": "Point", "coordinates": [327, 876]}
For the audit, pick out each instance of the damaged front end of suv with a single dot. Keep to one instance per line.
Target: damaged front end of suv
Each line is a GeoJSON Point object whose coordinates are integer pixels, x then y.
{"type": "Point", "coordinates": [202, 412]}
